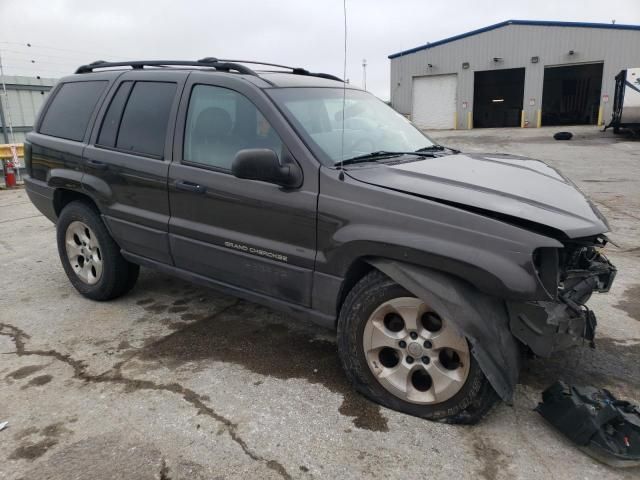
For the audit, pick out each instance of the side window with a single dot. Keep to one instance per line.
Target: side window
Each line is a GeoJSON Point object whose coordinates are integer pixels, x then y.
{"type": "Point", "coordinates": [71, 108]}
{"type": "Point", "coordinates": [145, 118]}
{"type": "Point", "coordinates": [111, 121]}
{"type": "Point", "coordinates": [219, 123]}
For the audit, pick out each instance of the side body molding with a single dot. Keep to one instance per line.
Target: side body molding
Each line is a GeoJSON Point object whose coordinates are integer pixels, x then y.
{"type": "Point", "coordinates": [484, 319]}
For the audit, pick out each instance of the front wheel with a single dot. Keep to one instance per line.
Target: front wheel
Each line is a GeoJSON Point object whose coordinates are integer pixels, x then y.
{"type": "Point", "coordinates": [90, 257]}
{"type": "Point", "coordinates": [401, 353]}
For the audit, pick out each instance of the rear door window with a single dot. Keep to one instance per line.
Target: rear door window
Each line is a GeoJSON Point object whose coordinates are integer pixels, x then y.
{"type": "Point", "coordinates": [70, 110]}
{"type": "Point", "coordinates": [145, 118]}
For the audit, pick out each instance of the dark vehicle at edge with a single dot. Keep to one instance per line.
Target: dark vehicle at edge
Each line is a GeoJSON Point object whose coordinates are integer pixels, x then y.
{"type": "Point", "coordinates": [437, 269]}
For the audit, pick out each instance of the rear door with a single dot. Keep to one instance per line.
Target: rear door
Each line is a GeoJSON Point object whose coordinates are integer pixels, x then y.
{"type": "Point", "coordinates": [252, 235]}
{"type": "Point", "coordinates": [127, 160]}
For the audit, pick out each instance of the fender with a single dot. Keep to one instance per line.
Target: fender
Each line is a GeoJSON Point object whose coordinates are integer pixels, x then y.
{"type": "Point", "coordinates": [42, 192]}
{"type": "Point", "coordinates": [483, 319]}
{"type": "Point", "coordinates": [356, 222]}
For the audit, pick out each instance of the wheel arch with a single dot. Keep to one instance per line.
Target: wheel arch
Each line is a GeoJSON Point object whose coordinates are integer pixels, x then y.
{"type": "Point", "coordinates": [355, 272]}
{"type": "Point", "coordinates": [62, 197]}
{"type": "Point", "coordinates": [483, 318]}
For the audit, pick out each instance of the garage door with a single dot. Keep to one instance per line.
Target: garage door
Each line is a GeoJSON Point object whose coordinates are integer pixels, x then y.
{"type": "Point", "coordinates": [434, 101]}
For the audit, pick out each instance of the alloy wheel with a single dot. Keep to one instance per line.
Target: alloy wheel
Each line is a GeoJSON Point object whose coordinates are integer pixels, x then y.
{"type": "Point", "coordinates": [414, 353]}
{"type": "Point", "coordinates": [83, 252]}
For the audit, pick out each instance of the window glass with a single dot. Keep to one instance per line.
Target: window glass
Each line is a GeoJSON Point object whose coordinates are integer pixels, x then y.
{"type": "Point", "coordinates": [219, 123]}
{"type": "Point", "coordinates": [70, 111]}
{"type": "Point", "coordinates": [111, 122]}
{"type": "Point", "coordinates": [144, 122]}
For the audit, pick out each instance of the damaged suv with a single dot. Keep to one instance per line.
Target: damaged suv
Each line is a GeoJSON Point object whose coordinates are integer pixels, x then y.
{"type": "Point", "coordinates": [437, 269]}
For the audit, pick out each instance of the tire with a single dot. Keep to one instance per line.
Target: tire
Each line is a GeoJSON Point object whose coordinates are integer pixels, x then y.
{"type": "Point", "coordinates": [100, 272]}
{"type": "Point", "coordinates": [563, 136]}
{"type": "Point", "coordinates": [467, 403]}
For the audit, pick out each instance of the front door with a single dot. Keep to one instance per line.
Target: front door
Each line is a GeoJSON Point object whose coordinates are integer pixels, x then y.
{"type": "Point", "coordinates": [249, 234]}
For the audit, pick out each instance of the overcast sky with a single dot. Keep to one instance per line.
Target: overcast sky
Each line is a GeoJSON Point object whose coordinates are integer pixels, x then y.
{"type": "Point", "coordinates": [66, 33]}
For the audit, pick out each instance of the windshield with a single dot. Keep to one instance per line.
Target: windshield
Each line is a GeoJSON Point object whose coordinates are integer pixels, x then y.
{"type": "Point", "coordinates": [369, 124]}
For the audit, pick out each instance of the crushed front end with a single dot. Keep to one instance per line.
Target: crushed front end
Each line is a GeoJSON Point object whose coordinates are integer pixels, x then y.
{"type": "Point", "coordinates": [569, 275]}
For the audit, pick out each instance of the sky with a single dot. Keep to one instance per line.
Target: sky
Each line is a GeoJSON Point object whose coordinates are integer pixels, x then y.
{"type": "Point", "coordinates": [66, 33]}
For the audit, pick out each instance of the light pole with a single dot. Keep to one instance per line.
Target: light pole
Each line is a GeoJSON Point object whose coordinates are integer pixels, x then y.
{"type": "Point", "coordinates": [364, 73]}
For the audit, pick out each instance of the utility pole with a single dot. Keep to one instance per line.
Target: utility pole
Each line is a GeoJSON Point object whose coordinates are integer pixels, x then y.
{"type": "Point", "coordinates": [364, 73]}
{"type": "Point", "coordinates": [2, 118]}
{"type": "Point", "coordinates": [6, 103]}
{"type": "Point", "coordinates": [7, 107]}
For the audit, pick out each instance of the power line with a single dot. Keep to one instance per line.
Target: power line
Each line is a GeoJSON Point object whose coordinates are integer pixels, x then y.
{"type": "Point", "coordinates": [84, 52]}
{"type": "Point", "coordinates": [35, 54]}
{"type": "Point", "coordinates": [15, 70]}
{"type": "Point", "coordinates": [32, 61]}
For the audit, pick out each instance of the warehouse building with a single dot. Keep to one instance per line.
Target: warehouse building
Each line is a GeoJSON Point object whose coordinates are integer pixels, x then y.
{"type": "Point", "coordinates": [25, 96]}
{"type": "Point", "coordinates": [515, 73]}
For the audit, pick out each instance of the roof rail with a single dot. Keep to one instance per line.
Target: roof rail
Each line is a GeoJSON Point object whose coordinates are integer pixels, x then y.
{"type": "Point", "coordinates": [141, 64]}
{"type": "Point", "coordinates": [294, 70]}
{"type": "Point", "coordinates": [210, 62]}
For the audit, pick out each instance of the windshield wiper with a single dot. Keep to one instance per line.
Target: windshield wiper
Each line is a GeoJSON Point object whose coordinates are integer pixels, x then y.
{"type": "Point", "coordinates": [373, 156]}
{"type": "Point", "coordinates": [431, 148]}
{"type": "Point", "coordinates": [437, 148]}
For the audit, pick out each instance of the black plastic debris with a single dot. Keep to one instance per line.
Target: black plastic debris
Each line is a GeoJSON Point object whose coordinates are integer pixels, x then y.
{"type": "Point", "coordinates": [602, 426]}
{"type": "Point", "coordinates": [563, 136]}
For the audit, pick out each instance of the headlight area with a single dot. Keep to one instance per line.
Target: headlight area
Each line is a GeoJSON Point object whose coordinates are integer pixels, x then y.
{"type": "Point", "coordinates": [547, 265]}
{"type": "Point", "coordinates": [584, 269]}
{"type": "Point", "coordinates": [569, 275]}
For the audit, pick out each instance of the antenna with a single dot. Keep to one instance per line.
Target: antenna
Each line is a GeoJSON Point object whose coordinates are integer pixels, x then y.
{"type": "Point", "coordinates": [364, 73]}
{"type": "Point", "coordinates": [344, 85]}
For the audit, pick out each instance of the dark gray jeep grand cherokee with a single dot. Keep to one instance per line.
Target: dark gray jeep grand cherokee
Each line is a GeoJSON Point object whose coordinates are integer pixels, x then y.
{"type": "Point", "coordinates": [437, 269]}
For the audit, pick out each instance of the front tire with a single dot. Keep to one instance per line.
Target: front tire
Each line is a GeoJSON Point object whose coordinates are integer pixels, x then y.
{"type": "Point", "coordinates": [400, 353]}
{"type": "Point", "coordinates": [90, 257]}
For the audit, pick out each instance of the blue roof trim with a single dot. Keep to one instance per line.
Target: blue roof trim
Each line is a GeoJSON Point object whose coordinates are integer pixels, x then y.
{"type": "Point", "coordinates": [540, 23]}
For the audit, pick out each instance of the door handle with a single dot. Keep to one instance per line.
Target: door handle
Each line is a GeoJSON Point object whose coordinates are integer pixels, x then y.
{"type": "Point", "coordinates": [190, 187]}
{"type": "Point", "coordinates": [98, 165]}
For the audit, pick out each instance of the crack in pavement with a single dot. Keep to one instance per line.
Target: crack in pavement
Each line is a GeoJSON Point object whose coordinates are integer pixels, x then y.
{"type": "Point", "coordinates": [115, 376]}
{"type": "Point", "coordinates": [164, 471]}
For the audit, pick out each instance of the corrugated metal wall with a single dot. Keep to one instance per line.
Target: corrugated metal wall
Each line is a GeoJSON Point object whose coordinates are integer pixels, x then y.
{"type": "Point", "coordinates": [25, 96]}
{"type": "Point", "coordinates": [516, 44]}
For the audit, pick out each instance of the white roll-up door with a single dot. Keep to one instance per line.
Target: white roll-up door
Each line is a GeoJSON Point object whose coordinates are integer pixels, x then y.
{"type": "Point", "coordinates": [434, 101]}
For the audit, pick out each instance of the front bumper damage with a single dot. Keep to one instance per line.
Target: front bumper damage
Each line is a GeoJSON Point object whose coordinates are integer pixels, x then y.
{"type": "Point", "coordinates": [549, 326]}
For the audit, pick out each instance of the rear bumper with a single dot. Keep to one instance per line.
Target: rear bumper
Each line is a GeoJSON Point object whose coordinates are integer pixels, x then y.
{"type": "Point", "coordinates": [547, 327]}
{"type": "Point", "coordinates": [41, 195]}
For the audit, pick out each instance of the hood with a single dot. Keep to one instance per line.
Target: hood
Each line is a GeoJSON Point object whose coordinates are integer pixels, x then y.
{"type": "Point", "coordinates": [518, 189]}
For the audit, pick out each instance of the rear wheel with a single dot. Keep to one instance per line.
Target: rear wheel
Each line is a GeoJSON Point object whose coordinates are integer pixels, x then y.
{"type": "Point", "coordinates": [90, 257]}
{"type": "Point", "coordinates": [400, 352]}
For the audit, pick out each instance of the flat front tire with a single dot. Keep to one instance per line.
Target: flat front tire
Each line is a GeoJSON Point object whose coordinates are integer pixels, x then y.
{"type": "Point", "coordinates": [399, 352]}
{"type": "Point", "coordinates": [90, 257]}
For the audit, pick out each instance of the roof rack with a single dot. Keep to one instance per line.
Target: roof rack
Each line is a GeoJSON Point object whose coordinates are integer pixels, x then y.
{"type": "Point", "coordinates": [294, 70]}
{"type": "Point", "coordinates": [209, 62]}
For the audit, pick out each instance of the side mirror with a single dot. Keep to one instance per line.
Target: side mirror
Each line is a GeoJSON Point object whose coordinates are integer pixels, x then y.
{"type": "Point", "coordinates": [263, 164]}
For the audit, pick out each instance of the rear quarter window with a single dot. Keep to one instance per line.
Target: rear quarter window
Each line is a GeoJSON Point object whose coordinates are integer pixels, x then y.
{"type": "Point", "coordinates": [70, 110]}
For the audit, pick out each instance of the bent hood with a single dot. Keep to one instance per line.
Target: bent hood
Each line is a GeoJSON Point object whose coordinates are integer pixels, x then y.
{"type": "Point", "coordinates": [518, 187]}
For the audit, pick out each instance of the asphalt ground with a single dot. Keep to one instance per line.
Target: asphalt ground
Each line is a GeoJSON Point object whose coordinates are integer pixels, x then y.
{"type": "Point", "coordinates": [175, 381]}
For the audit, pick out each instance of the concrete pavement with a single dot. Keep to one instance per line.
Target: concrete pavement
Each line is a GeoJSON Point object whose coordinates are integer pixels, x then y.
{"type": "Point", "coordinates": [175, 381]}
